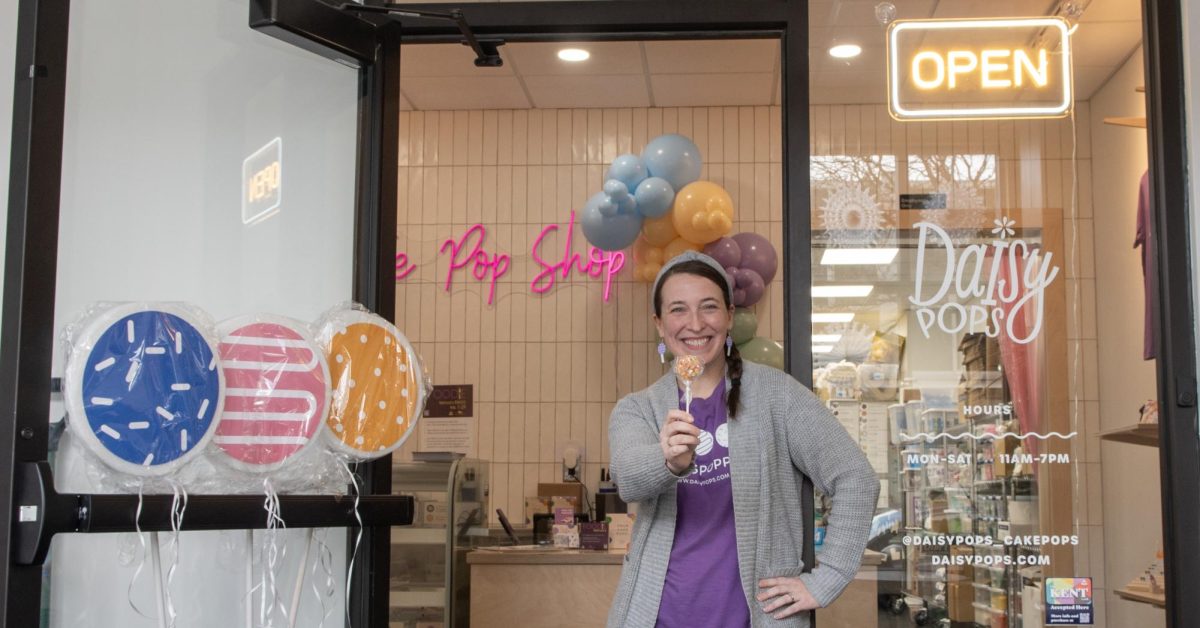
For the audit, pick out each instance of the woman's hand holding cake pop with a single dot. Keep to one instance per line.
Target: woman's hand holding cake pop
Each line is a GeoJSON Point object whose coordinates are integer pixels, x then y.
{"type": "Point", "coordinates": [679, 439]}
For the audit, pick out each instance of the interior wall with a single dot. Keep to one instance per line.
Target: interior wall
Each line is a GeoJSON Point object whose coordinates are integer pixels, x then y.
{"type": "Point", "coordinates": [1131, 504]}
{"type": "Point", "coordinates": [547, 368]}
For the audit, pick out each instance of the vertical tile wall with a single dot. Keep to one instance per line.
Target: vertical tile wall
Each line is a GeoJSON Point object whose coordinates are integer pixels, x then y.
{"type": "Point", "coordinates": [549, 367]}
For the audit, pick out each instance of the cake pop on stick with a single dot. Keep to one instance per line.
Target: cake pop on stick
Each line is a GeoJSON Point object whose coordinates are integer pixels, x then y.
{"type": "Point", "coordinates": [688, 368]}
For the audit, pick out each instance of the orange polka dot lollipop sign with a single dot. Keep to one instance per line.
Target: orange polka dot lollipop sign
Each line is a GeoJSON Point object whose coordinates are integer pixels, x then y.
{"type": "Point", "coordinates": [378, 388]}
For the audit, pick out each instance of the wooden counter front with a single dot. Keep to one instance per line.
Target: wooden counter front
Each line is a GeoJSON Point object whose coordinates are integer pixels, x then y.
{"type": "Point", "coordinates": [542, 589]}
{"type": "Point", "coordinates": [557, 588]}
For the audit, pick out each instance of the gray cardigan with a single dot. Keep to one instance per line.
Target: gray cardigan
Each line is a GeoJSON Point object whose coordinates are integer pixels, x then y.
{"type": "Point", "coordinates": [781, 430]}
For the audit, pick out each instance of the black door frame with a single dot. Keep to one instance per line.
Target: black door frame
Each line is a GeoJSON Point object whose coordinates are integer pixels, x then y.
{"type": "Point", "coordinates": [1179, 454]}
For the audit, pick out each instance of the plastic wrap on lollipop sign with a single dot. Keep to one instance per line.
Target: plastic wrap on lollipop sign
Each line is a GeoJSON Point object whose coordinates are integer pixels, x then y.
{"type": "Point", "coordinates": [379, 388]}
{"type": "Point", "coordinates": [277, 391]}
{"type": "Point", "coordinates": [143, 391]}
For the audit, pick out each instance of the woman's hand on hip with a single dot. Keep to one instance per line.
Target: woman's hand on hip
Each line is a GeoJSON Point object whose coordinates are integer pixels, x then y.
{"type": "Point", "coordinates": [785, 597]}
{"type": "Point", "coordinates": [679, 438]}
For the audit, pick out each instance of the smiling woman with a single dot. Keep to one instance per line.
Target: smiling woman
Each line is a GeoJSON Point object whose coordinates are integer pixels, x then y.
{"type": "Point", "coordinates": [704, 484]}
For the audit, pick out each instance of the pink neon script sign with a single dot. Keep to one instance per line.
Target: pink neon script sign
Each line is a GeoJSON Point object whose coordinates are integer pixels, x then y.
{"type": "Point", "coordinates": [483, 266]}
{"type": "Point", "coordinates": [598, 263]}
{"type": "Point", "coordinates": [467, 254]}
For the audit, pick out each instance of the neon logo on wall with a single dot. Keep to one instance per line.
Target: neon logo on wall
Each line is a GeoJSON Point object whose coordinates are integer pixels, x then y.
{"type": "Point", "coordinates": [977, 69]}
{"type": "Point", "coordinates": [468, 255]}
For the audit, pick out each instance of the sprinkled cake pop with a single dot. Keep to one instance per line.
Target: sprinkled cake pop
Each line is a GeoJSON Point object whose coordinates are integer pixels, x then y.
{"type": "Point", "coordinates": [688, 368]}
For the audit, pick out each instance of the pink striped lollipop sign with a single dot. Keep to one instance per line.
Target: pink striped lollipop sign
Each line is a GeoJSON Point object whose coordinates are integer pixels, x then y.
{"type": "Point", "coordinates": [277, 391]}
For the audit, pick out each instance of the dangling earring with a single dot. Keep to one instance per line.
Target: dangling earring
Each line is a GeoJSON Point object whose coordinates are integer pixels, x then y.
{"type": "Point", "coordinates": [662, 352]}
{"type": "Point", "coordinates": [728, 345]}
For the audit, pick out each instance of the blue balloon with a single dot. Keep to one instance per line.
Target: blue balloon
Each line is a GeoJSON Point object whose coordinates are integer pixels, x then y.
{"type": "Point", "coordinates": [608, 233]}
{"type": "Point", "coordinates": [615, 189]}
{"type": "Point", "coordinates": [628, 169]}
{"type": "Point", "coordinates": [654, 197]}
{"type": "Point", "coordinates": [608, 207]}
{"type": "Point", "coordinates": [674, 158]}
{"type": "Point", "coordinates": [627, 205]}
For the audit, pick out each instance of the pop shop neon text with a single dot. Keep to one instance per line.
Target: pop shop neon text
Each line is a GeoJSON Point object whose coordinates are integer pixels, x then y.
{"type": "Point", "coordinates": [470, 260]}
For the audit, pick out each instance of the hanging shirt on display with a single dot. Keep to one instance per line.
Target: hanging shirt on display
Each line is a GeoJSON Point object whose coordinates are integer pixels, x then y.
{"type": "Point", "coordinates": [1147, 240]}
{"type": "Point", "coordinates": [703, 588]}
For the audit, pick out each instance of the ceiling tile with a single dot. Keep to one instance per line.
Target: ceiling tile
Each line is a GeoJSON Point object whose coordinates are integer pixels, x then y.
{"type": "Point", "coordinates": [825, 38]}
{"type": "Point", "coordinates": [991, 8]}
{"type": "Point", "coordinates": [697, 57]}
{"type": "Point", "coordinates": [872, 59]}
{"type": "Point", "coordinates": [611, 57]}
{"type": "Point", "coordinates": [862, 12]}
{"type": "Point", "coordinates": [569, 92]}
{"type": "Point", "coordinates": [1113, 11]}
{"type": "Point", "coordinates": [444, 60]}
{"type": "Point", "coordinates": [1105, 43]}
{"type": "Point", "coordinates": [499, 92]}
{"type": "Point", "coordinates": [712, 90]}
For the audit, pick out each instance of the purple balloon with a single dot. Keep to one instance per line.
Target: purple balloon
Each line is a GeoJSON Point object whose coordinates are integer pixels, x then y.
{"type": "Point", "coordinates": [748, 287]}
{"type": "Point", "coordinates": [758, 255]}
{"type": "Point", "coordinates": [726, 251]}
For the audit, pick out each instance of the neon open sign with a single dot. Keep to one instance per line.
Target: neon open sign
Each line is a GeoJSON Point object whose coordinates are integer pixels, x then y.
{"type": "Point", "coordinates": [973, 69]}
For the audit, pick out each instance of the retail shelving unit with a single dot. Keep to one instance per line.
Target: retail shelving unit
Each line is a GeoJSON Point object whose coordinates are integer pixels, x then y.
{"type": "Point", "coordinates": [430, 578]}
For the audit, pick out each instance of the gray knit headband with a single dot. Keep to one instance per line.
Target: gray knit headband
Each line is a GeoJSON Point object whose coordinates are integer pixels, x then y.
{"type": "Point", "coordinates": [693, 256]}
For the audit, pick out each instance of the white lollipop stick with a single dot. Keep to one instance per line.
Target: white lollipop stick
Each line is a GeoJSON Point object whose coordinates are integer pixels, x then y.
{"type": "Point", "coordinates": [156, 567]}
{"type": "Point", "coordinates": [688, 368]}
{"type": "Point", "coordinates": [308, 537]}
{"type": "Point", "coordinates": [249, 578]}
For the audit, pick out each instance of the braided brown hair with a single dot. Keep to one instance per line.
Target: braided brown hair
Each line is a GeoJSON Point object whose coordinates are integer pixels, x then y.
{"type": "Point", "coordinates": [734, 360]}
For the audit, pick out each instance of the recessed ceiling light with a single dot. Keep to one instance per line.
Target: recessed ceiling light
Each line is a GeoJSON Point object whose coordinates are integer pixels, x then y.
{"type": "Point", "coordinates": [574, 55]}
{"type": "Point", "coordinates": [822, 348]}
{"type": "Point", "coordinates": [841, 291]}
{"type": "Point", "coordinates": [845, 51]}
{"type": "Point", "coordinates": [832, 317]}
{"type": "Point", "coordinates": [826, 338]}
{"type": "Point", "coordinates": [874, 257]}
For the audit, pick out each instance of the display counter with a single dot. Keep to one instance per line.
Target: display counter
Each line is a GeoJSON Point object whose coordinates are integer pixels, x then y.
{"type": "Point", "coordinates": [542, 588]}
{"type": "Point", "coordinates": [554, 588]}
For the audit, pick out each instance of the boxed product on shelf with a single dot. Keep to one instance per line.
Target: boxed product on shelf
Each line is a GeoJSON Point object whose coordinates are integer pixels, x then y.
{"type": "Point", "coordinates": [879, 382]}
{"type": "Point", "coordinates": [959, 597]}
{"type": "Point", "coordinates": [1002, 450]}
{"type": "Point", "coordinates": [839, 382]}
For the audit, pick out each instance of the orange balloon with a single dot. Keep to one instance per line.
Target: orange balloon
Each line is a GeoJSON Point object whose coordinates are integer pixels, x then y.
{"type": "Point", "coordinates": [659, 231]}
{"type": "Point", "coordinates": [677, 247]}
{"type": "Point", "coordinates": [644, 252]}
{"type": "Point", "coordinates": [646, 272]}
{"type": "Point", "coordinates": [703, 212]}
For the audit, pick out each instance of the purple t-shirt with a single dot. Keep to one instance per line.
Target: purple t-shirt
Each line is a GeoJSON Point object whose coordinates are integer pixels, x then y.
{"type": "Point", "coordinates": [703, 588]}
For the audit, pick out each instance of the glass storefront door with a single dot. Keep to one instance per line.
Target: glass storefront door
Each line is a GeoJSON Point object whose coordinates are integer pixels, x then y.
{"type": "Point", "coordinates": [207, 166]}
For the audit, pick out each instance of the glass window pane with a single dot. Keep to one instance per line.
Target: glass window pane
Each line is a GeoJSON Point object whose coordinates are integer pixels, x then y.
{"type": "Point", "coordinates": [967, 329]}
{"type": "Point", "coordinates": [210, 164]}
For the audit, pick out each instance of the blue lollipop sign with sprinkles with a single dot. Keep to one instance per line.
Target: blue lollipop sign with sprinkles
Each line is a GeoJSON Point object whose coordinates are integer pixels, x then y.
{"type": "Point", "coordinates": [144, 387]}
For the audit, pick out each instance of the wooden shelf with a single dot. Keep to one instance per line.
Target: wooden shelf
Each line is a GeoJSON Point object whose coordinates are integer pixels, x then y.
{"type": "Point", "coordinates": [1135, 122]}
{"type": "Point", "coordinates": [1156, 599]}
{"type": "Point", "coordinates": [1138, 435]}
